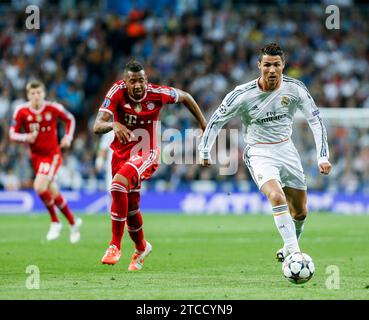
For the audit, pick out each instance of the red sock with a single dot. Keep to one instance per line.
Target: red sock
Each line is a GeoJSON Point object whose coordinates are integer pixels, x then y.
{"type": "Point", "coordinates": [62, 204]}
{"type": "Point", "coordinates": [119, 209]}
{"type": "Point", "coordinates": [135, 224]}
{"type": "Point", "coordinates": [47, 199]}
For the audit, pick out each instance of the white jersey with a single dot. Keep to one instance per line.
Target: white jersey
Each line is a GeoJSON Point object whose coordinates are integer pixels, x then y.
{"type": "Point", "coordinates": [267, 116]}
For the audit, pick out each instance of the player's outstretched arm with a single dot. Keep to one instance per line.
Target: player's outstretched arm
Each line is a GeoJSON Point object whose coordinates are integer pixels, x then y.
{"type": "Point", "coordinates": [23, 137]}
{"type": "Point", "coordinates": [103, 124]}
{"type": "Point", "coordinates": [316, 124]}
{"type": "Point", "coordinates": [320, 136]}
{"type": "Point", "coordinates": [15, 134]}
{"type": "Point", "coordinates": [190, 103]}
{"type": "Point", "coordinates": [70, 126]}
{"type": "Point", "coordinates": [226, 111]}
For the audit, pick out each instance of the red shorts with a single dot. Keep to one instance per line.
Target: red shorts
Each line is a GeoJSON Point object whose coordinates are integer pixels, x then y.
{"type": "Point", "coordinates": [46, 165]}
{"type": "Point", "coordinates": [136, 168]}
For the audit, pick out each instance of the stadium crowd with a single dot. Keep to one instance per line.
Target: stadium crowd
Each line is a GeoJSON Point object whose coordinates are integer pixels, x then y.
{"type": "Point", "coordinates": [203, 47]}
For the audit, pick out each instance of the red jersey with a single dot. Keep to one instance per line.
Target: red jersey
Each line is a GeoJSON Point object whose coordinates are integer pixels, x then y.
{"type": "Point", "coordinates": [43, 120]}
{"type": "Point", "coordinates": [139, 116]}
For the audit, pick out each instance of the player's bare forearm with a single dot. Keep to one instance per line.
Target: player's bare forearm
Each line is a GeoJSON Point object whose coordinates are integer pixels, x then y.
{"type": "Point", "coordinates": [190, 103]}
{"type": "Point", "coordinates": [102, 123]}
{"type": "Point", "coordinates": [103, 127]}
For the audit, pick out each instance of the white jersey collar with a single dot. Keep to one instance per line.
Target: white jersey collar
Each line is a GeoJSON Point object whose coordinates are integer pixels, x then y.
{"type": "Point", "coordinates": [37, 111]}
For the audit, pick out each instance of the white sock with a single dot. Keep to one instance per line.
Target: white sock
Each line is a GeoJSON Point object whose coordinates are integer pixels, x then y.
{"type": "Point", "coordinates": [299, 226]}
{"type": "Point", "coordinates": [286, 227]}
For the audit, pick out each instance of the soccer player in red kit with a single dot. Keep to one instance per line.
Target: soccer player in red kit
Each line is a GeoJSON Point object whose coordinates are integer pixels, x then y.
{"type": "Point", "coordinates": [131, 109]}
{"type": "Point", "coordinates": [38, 119]}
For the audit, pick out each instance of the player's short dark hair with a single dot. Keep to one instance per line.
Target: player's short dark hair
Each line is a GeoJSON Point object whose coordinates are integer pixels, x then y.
{"type": "Point", "coordinates": [271, 49]}
{"type": "Point", "coordinates": [34, 84]}
{"type": "Point", "coordinates": [133, 66]}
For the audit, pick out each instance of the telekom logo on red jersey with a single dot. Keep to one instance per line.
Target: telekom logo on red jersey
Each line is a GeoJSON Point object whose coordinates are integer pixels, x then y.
{"type": "Point", "coordinates": [130, 119]}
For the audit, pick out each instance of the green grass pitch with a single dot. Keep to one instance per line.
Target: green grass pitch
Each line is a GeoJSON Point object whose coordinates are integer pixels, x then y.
{"type": "Point", "coordinates": [194, 257]}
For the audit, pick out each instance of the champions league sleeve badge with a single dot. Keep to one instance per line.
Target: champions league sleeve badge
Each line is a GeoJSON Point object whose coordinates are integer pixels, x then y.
{"type": "Point", "coordinates": [174, 94]}
{"type": "Point", "coordinates": [106, 103]}
{"type": "Point", "coordinates": [222, 109]}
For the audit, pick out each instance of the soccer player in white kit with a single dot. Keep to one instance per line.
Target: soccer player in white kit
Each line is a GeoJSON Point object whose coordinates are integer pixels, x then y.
{"type": "Point", "coordinates": [267, 106]}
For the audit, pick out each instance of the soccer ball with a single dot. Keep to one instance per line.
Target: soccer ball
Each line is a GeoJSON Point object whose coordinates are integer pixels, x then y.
{"type": "Point", "coordinates": [298, 268]}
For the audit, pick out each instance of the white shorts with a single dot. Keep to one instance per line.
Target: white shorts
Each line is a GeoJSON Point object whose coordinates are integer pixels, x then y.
{"type": "Point", "coordinates": [279, 161]}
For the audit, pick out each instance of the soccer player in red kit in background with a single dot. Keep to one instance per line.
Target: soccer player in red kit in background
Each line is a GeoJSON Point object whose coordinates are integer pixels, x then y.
{"type": "Point", "coordinates": [131, 109]}
{"type": "Point", "coordinates": [38, 119]}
